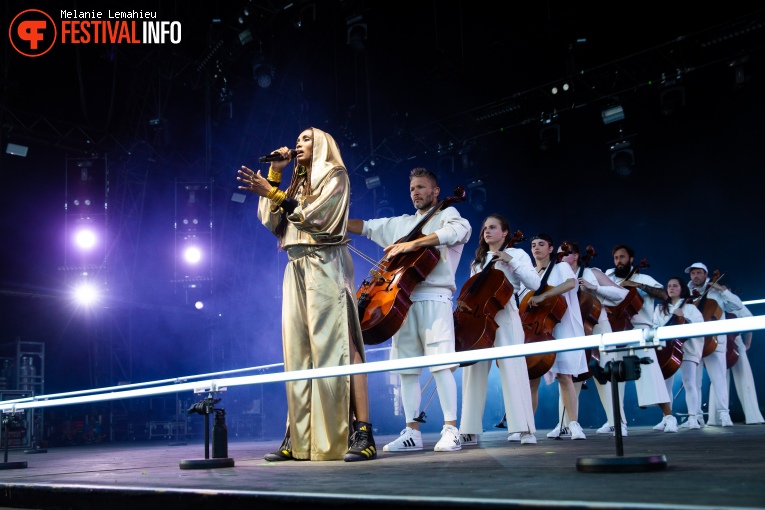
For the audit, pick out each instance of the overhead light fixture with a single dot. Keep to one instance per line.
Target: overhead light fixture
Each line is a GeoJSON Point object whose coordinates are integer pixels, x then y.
{"type": "Point", "coordinates": [549, 136]}
{"type": "Point", "coordinates": [622, 158]}
{"type": "Point", "coordinates": [671, 99]}
{"type": "Point", "coordinates": [372, 182]}
{"type": "Point", "coordinates": [263, 74]}
{"type": "Point", "coordinates": [16, 150]}
{"type": "Point", "coordinates": [741, 77]}
{"type": "Point", "coordinates": [245, 36]}
{"type": "Point", "coordinates": [357, 33]}
{"type": "Point", "coordinates": [564, 87]}
{"type": "Point", "coordinates": [477, 195]}
{"type": "Point", "coordinates": [612, 114]}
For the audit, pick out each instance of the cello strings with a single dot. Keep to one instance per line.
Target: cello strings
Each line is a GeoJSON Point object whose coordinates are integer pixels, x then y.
{"type": "Point", "coordinates": [375, 264]}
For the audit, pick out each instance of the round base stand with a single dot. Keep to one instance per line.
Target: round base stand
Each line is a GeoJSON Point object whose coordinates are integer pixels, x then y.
{"type": "Point", "coordinates": [13, 465]}
{"type": "Point", "coordinates": [36, 450]}
{"type": "Point", "coordinates": [207, 463]}
{"type": "Point", "coordinates": [614, 464]}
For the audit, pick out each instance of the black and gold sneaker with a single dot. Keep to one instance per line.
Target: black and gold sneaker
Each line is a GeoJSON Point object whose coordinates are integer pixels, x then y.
{"type": "Point", "coordinates": [283, 453]}
{"type": "Point", "coordinates": [362, 444]}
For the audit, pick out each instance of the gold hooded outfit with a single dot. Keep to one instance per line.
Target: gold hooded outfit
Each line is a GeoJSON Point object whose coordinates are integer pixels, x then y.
{"type": "Point", "coordinates": [319, 314]}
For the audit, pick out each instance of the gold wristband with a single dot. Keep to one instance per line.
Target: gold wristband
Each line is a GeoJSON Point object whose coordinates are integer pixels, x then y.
{"type": "Point", "coordinates": [276, 195]}
{"type": "Point", "coordinates": [273, 175]}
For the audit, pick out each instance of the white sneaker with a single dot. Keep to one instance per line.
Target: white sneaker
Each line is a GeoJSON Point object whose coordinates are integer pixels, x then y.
{"type": "Point", "coordinates": [514, 438]}
{"type": "Point", "coordinates": [661, 425]}
{"type": "Point", "coordinates": [606, 429]}
{"type": "Point", "coordinates": [699, 423]}
{"type": "Point", "coordinates": [528, 438]}
{"type": "Point", "coordinates": [691, 423]}
{"type": "Point", "coordinates": [725, 420]}
{"type": "Point", "coordinates": [576, 430]}
{"type": "Point", "coordinates": [559, 431]}
{"type": "Point", "coordinates": [624, 430]}
{"type": "Point", "coordinates": [469, 439]}
{"type": "Point", "coordinates": [450, 440]}
{"type": "Point", "coordinates": [670, 424]}
{"type": "Point", "coordinates": [408, 441]}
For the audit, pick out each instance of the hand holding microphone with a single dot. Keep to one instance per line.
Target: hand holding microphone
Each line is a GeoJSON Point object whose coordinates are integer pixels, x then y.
{"type": "Point", "coordinates": [279, 155]}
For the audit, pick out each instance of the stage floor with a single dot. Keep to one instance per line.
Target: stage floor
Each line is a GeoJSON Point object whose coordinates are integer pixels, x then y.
{"type": "Point", "coordinates": [713, 467]}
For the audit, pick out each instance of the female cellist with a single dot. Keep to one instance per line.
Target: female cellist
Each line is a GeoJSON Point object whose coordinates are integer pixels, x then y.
{"type": "Point", "coordinates": [568, 363]}
{"type": "Point", "coordinates": [597, 284]}
{"type": "Point", "coordinates": [517, 268]}
{"type": "Point", "coordinates": [678, 305]}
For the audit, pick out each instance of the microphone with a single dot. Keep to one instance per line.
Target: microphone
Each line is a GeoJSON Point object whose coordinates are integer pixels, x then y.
{"type": "Point", "coordinates": [275, 156]}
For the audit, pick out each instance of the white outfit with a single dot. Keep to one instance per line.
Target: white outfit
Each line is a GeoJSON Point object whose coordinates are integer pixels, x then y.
{"type": "Point", "coordinates": [692, 349]}
{"type": "Point", "coordinates": [570, 325]}
{"type": "Point", "coordinates": [743, 379]}
{"type": "Point", "coordinates": [429, 324]}
{"type": "Point", "coordinates": [650, 387]}
{"type": "Point", "coordinates": [715, 363]}
{"type": "Point", "coordinates": [513, 372]}
{"type": "Point", "coordinates": [614, 294]}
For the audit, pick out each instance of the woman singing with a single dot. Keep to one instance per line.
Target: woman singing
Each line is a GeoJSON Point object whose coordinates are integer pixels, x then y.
{"type": "Point", "coordinates": [320, 324]}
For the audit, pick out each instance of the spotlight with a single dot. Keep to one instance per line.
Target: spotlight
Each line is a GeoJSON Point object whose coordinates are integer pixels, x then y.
{"type": "Point", "coordinates": [192, 254]}
{"type": "Point", "coordinates": [262, 71]}
{"type": "Point", "coordinates": [477, 195]}
{"type": "Point", "coordinates": [16, 150]}
{"type": "Point", "coordinates": [671, 99]}
{"type": "Point", "coordinates": [372, 182]}
{"type": "Point", "coordinates": [263, 74]}
{"type": "Point", "coordinates": [199, 305]}
{"type": "Point", "coordinates": [85, 294]}
{"type": "Point", "coordinates": [357, 33]}
{"type": "Point", "coordinates": [612, 114]}
{"type": "Point", "coordinates": [85, 239]}
{"type": "Point", "coordinates": [622, 158]}
{"type": "Point", "coordinates": [549, 137]}
{"type": "Point", "coordinates": [85, 235]}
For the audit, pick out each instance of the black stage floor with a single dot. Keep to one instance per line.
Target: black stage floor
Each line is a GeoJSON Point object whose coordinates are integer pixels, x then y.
{"type": "Point", "coordinates": [709, 468]}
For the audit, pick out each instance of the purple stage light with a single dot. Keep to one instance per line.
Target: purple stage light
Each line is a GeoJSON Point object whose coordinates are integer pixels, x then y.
{"type": "Point", "coordinates": [192, 254]}
{"type": "Point", "coordinates": [85, 294]}
{"type": "Point", "coordinates": [85, 238]}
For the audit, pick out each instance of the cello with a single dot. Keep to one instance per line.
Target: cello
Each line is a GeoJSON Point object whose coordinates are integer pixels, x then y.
{"type": "Point", "coordinates": [539, 322]}
{"type": "Point", "coordinates": [620, 315]}
{"type": "Point", "coordinates": [710, 310]}
{"type": "Point", "coordinates": [480, 299]}
{"type": "Point", "coordinates": [590, 307]}
{"type": "Point", "coordinates": [670, 356]}
{"type": "Point", "coordinates": [589, 304]}
{"type": "Point", "coordinates": [731, 353]}
{"type": "Point", "coordinates": [384, 295]}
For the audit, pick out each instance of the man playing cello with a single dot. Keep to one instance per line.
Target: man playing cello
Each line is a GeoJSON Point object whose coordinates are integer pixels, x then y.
{"type": "Point", "coordinates": [429, 326]}
{"type": "Point", "coordinates": [650, 387]}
